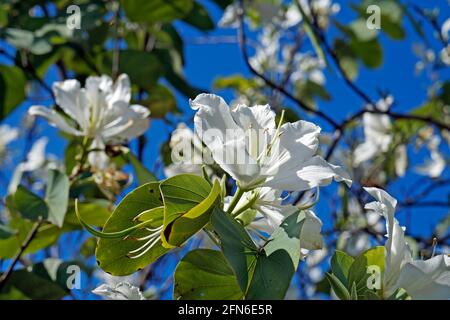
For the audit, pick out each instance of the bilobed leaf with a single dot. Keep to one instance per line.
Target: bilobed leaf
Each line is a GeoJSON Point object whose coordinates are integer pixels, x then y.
{"type": "Point", "coordinates": [340, 265]}
{"type": "Point", "coordinates": [113, 254]}
{"type": "Point", "coordinates": [188, 202]}
{"type": "Point", "coordinates": [205, 274]}
{"type": "Point", "coordinates": [57, 196]}
{"type": "Point", "coordinates": [370, 52]}
{"type": "Point", "coordinates": [145, 11]}
{"type": "Point", "coordinates": [12, 89]}
{"type": "Point", "coordinates": [262, 273]}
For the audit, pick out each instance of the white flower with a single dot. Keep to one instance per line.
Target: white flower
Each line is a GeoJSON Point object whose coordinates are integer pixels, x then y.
{"type": "Point", "coordinates": [445, 29]}
{"type": "Point", "coordinates": [35, 160]}
{"type": "Point", "coordinates": [266, 56]}
{"type": "Point", "coordinates": [7, 135]}
{"type": "Point", "coordinates": [377, 133]}
{"type": "Point", "coordinates": [322, 9]}
{"type": "Point", "coordinates": [434, 166]}
{"type": "Point", "coordinates": [401, 160]}
{"type": "Point", "coordinates": [445, 55]}
{"type": "Point", "coordinates": [270, 213]}
{"type": "Point", "coordinates": [187, 152]}
{"type": "Point", "coordinates": [248, 145]}
{"type": "Point", "coordinates": [121, 291]}
{"type": "Point", "coordinates": [428, 279]}
{"type": "Point", "coordinates": [100, 111]}
{"type": "Point", "coordinates": [424, 279]}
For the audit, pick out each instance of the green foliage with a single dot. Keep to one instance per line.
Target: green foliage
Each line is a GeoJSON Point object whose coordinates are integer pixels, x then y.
{"type": "Point", "coordinates": [53, 207]}
{"type": "Point", "coordinates": [350, 277]}
{"type": "Point", "coordinates": [12, 89]}
{"type": "Point", "coordinates": [156, 11]}
{"type": "Point", "coordinates": [112, 254]}
{"type": "Point", "coordinates": [188, 202]}
{"type": "Point", "coordinates": [264, 272]}
{"type": "Point", "coordinates": [204, 274]}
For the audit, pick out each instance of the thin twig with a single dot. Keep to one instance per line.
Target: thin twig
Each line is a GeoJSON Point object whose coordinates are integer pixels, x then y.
{"type": "Point", "coordinates": [4, 277]}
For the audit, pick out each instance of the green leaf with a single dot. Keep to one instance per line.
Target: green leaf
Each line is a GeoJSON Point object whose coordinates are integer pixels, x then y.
{"type": "Point", "coordinates": [237, 246]}
{"type": "Point", "coordinates": [358, 272]}
{"type": "Point", "coordinates": [145, 11]}
{"type": "Point", "coordinates": [46, 281]}
{"type": "Point", "coordinates": [113, 254]}
{"type": "Point", "coordinates": [161, 101]}
{"type": "Point", "coordinates": [361, 32]}
{"type": "Point", "coordinates": [199, 18]}
{"type": "Point", "coordinates": [12, 89]}
{"type": "Point", "coordinates": [46, 235]}
{"type": "Point", "coordinates": [143, 68]}
{"type": "Point", "coordinates": [188, 202]}
{"type": "Point", "coordinates": [205, 274]}
{"type": "Point", "coordinates": [261, 273]}
{"type": "Point", "coordinates": [57, 196]}
{"type": "Point", "coordinates": [142, 174]}
{"type": "Point", "coordinates": [369, 52]}
{"type": "Point", "coordinates": [338, 287]}
{"type": "Point", "coordinates": [30, 205]}
{"type": "Point", "coordinates": [340, 266]}
{"type": "Point", "coordinates": [94, 212]}
{"type": "Point", "coordinates": [6, 232]}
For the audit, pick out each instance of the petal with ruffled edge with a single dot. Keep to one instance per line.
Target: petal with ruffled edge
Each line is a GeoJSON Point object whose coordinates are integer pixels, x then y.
{"type": "Point", "coordinates": [296, 144]}
{"type": "Point", "coordinates": [216, 127]}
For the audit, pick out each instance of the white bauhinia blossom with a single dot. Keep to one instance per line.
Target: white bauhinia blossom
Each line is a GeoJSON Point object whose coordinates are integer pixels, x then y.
{"type": "Point", "coordinates": [120, 291]}
{"type": "Point", "coordinates": [425, 279]}
{"type": "Point", "coordinates": [434, 166]}
{"type": "Point", "coordinates": [401, 160]}
{"type": "Point", "coordinates": [267, 12]}
{"type": "Point", "coordinates": [322, 10]}
{"type": "Point", "coordinates": [377, 133]}
{"type": "Point", "coordinates": [445, 55]}
{"type": "Point", "coordinates": [269, 213]}
{"type": "Point", "coordinates": [35, 160]}
{"type": "Point", "coordinates": [247, 143]}
{"type": "Point", "coordinates": [7, 135]}
{"type": "Point", "coordinates": [187, 152]}
{"type": "Point", "coordinates": [266, 55]}
{"type": "Point", "coordinates": [445, 29]}
{"type": "Point", "coordinates": [307, 68]}
{"type": "Point", "coordinates": [100, 111]}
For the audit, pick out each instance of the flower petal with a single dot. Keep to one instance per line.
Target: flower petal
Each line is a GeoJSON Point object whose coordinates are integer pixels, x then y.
{"type": "Point", "coordinates": [427, 280]}
{"type": "Point", "coordinates": [216, 127]}
{"type": "Point", "coordinates": [98, 159]}
{"type": "Point", "coordinates": [69, 97]}
{"type": "Point", "coordinates": [121, 291]}
{"type": "Point", "coordinates": [54, 119]}
{"type": "Point", "coordinates": [307, 175]}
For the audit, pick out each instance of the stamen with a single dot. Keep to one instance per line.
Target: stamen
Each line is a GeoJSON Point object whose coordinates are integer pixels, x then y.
{"type": "Point", "coordinates": [434, 247]}
{"type": "Point", "coordinates": [277, 134]}
{"type": "Point", "coordinates": [151, 245]}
